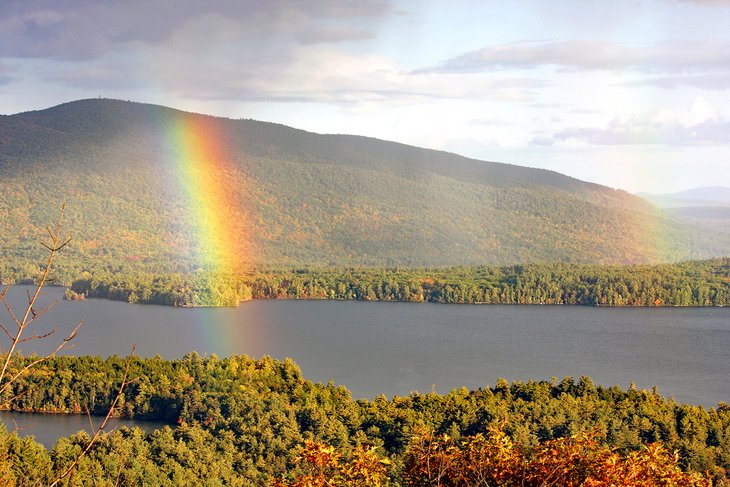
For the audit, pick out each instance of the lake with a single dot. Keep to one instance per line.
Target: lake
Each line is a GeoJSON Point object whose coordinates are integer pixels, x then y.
{"type": "Point", "coordinates": [395, 348]}
{"type": "Point", "coordinates": [47, 428]}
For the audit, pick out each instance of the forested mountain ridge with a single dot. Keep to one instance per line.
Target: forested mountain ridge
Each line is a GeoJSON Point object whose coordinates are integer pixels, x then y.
{"type": "Point", "coordinates": [304, 199]}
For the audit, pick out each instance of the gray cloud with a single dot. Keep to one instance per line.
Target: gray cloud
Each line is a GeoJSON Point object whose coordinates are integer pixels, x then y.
{"type": "Point", "coordinates": [668, 56]}
{"type": "Point", "coordinates": [5, 74]}
{"type": "Point", "coordinates": [106, 77]}
{"type": "Point", "coordinates": [334, 34]}
{"type": "Point", "coordinates": [322, 76]}
{"type": "Point", "coordinates": [85, 29]}
{"type": "Point", "coordinates": [542, 140]}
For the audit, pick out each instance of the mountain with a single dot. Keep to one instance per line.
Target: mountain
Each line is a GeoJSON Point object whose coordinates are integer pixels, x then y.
{"type": "Point", "coordinates": [713, 196]}
{"type": "Point", "coordinates": [706, 209]}
{"type": "Point", "coordinates": [157, 189]}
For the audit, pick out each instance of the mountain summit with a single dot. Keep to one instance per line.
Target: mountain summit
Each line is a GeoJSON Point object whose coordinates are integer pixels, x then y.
{"type": "Point", "coordinates": [152, 188]}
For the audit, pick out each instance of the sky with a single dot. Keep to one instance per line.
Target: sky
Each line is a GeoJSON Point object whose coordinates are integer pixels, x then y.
{"type": "Point", "coordinates": [632, 94]}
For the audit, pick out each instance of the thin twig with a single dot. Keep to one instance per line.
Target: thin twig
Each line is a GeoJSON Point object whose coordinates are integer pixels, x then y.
{"type": "Point", "coordinates": [6, 331]}
{"type": "Point", "coordinates": [30, 314]}
{"type": "Point", "coordinates": [37, 336]}
{"type": "Point", "coordinates": [12, 315]}
{"type": "Point", "coordinates": [61, 346]}
{"type": "Point", "coordinates": [7, 287]}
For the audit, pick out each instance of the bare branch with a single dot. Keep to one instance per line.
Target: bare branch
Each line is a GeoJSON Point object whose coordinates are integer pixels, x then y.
{"type": "Point", "coordinates": [54, 245]}
{"type": "Point", "coordinates": [68, 240]}
{"type": "Point", "coordinates": [37, 314]}
{"type": "Point", "coordinates": [7, 287]}
{"type": "Point", "coordinates": [6, 331]}
{"type": "Point", "coordinates": [61, 346]}
{"type": "Point", "coordinates": [88, 415]}
{"type": "Point", "coordinates": [12, 315]}
{"type": "Point", "coordinates": [30, 313]}
{"type": "Point", "coordinates": [20, 394]}
{"type": "Point", "coordinates": [37, 337]}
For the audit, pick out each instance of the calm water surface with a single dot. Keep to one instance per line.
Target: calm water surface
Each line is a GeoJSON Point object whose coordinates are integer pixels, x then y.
{"type": "Point", "coordinates": [47, 428]}
{"type": "Point", "coordinates": [396, 348]}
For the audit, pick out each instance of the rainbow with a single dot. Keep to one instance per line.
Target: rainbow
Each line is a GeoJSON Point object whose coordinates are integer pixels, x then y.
{"type": "Point", "coordinates": [213, 191]}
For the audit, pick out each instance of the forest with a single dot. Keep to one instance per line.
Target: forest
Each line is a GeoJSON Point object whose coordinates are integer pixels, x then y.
{"type": "Point", "coordinates": [697, 283]}
{"type": "Point", "coordinates": [244, 421]}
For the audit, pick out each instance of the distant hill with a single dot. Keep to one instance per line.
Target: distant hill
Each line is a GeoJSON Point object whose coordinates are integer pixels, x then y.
{"type": "Point", "coordinates": [294, 198]}
{"type": "Point", "coordinates": [705, 208]}
{"type": "Point", "coordinates": [707, 197]}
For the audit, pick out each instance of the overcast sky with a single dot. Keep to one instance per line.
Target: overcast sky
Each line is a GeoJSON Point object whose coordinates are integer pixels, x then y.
{"type": "Point", "coordinates": [628, 93]}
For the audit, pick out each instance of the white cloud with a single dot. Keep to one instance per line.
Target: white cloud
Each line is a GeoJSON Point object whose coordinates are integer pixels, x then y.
{"type": "Point", "coordinates": [713, 81]}
{"type": "Point", "coordinates": [709, 3]}
{"type": "Point", "coordinates": [701, 124]}
{"type": "Point", "coordinates": [667, 56]}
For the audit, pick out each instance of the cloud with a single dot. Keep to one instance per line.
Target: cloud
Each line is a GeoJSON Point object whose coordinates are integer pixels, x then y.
{"type": "Point", "coordinates": [700, 125]}
{"type": "Point", "coordinates": [106, 77]}
{"type": "Point", "coordinates": [334, 34]}
{"type": "Point", "coordinates": [718, 81]}
{"type": "Point", "coordinates": [667, 56]}
{"type": "Point", "coordinates": [491, 122]}
{"type": "Point", "coordinates": [206, 61]}
{"type": "Point", "coordinates": [5, 74]}
{"type": "Point", "coordinates": [283, 50]}
{"type": "Point", "coordinates": [542, 140]}
{"type": "Point", "coordinates": [84, 29]}
{"type": "Point", "coordinates": [708, 3]}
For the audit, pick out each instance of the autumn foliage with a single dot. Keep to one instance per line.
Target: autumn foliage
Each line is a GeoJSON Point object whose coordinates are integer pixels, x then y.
{"type": "Point", "coordinates": [325, 467]}
{"type": "Point", "coordinates": [494, 460]}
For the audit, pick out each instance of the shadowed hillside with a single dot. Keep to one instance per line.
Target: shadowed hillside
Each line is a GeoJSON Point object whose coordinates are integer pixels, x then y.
{"type": "Point", "coordinates": [298, 198]}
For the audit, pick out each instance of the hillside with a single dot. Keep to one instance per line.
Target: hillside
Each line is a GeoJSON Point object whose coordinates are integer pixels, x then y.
{"type": "Point", "coordinates": [705, 208]}
{"type": "Point", "coordinates": [287, 197]}
{"type": "Point", "coordinates": [716, 196]}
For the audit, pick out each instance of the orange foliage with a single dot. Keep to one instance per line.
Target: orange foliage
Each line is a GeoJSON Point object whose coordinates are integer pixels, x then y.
{"type": "Point", "coordinates": [493, 460]}
{"type": "Point", "coordinates": [326, 468]}
{"type": "Point", "coordinates": [566, 462]}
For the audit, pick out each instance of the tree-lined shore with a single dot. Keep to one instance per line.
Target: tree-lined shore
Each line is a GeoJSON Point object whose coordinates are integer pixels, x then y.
{"type": "Point", "coordinates": [695, 283]}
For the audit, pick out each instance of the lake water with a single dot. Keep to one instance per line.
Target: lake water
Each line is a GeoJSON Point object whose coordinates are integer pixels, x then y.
{"type": "Point", "coordinates": [47, 428]}
{"type": "Point", "coordinates": [396, 348]}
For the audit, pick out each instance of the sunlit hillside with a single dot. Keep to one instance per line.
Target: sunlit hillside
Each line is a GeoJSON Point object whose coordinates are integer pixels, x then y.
{"type": "Point", "coordinates": [127, 173]}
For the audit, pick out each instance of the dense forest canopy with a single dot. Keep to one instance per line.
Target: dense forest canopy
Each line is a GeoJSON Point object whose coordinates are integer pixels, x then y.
{"type": "Point", "coordinates": [245, 422]}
